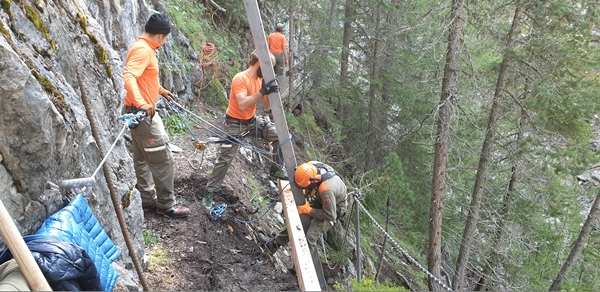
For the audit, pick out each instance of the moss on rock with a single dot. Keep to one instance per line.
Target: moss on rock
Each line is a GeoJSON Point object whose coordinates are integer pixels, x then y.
{"type": "Point", "coordinates": [57, 98]}
{"type": "Point", "coordinates": [99, 50]}
{"type": "Point", "coordinates": [34, 18]}
{"type": "Point", "coordinates": [6, 7]}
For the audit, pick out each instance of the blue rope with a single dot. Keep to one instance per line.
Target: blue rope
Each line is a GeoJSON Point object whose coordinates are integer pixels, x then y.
{"type": "Point", "coordinates": [217, 211]}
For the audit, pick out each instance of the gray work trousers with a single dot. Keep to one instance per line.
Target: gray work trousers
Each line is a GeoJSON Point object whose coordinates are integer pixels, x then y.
{"type": "Point", "coordinates": [228, 151]}
{"type": "Point", "coordinates": [279, 64]}
{"type": "Point", "coordinates": [153, 162]}
{"type": "Point", "coordinates": [315, 229]}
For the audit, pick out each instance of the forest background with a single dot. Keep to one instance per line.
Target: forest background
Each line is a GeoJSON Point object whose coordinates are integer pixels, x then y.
{"type": "Point", "coordinates": [475, 119]}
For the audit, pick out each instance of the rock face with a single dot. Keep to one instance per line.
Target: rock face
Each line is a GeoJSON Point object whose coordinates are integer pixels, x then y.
{"type": "Point", "coordinates": [45, 135]}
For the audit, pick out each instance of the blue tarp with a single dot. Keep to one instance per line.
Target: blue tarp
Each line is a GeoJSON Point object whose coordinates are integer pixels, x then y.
{"type": "Point", "coordinates": [77, 224]}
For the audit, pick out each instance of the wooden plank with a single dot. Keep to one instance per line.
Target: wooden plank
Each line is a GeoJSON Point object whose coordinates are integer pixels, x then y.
{"type": "Point", "coordinates": [305, 269]}
{"type": "Point", "coordinates": [27, 264]}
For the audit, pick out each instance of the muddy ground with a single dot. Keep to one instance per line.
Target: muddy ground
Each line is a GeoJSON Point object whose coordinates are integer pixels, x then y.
{"type": "Point", "coordinates": [203, 252]}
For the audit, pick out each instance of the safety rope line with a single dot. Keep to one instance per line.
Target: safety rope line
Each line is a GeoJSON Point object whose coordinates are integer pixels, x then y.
{"type": "Point", "coordinates": [397, 246]}
{"type": "Point", "coordinates": [268, 209]}
{"type": "Point", "coordinates": [223, 135]}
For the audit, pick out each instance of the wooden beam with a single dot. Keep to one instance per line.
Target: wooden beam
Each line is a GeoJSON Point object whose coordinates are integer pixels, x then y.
{"type": "Point", "coordinates": [17, 246]}
{"type": "Point", "coordinates": [305, 269]}
{"type": "Point", "coordinates": [303, 261]}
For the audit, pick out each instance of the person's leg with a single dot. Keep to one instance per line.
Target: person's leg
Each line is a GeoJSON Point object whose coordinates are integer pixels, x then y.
{"type": "Point", "coordinates": [277, 170]}
{"type": "Point", "coordinates": [145, 183]}
{"type": "Point", "coordinates": [315, 231]}
{"type": "Point", "coordinates": [226, 155]}
{"type": "Point", "coordinates": [279, 63]}
{"type": "Point", "coordinates": [160, 162]}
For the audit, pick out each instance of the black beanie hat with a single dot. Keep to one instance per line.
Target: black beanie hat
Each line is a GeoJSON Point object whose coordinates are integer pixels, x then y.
{"type": "Point", "coordinates": [158, 24]}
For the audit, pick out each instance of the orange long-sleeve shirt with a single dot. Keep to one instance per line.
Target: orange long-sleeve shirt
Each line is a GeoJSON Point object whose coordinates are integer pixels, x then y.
{"type": "Point", "coordinates": [141, 74]}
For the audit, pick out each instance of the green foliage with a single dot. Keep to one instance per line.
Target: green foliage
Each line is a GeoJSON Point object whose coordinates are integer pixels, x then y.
{"type": "Point", "coordinates": [175, 126]}
{"type": "Point", "coordinates": [369, 284]}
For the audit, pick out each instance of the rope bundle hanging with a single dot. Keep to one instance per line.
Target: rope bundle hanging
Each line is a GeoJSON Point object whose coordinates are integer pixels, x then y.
{"type": "Point", "coordinates": [207, 61]}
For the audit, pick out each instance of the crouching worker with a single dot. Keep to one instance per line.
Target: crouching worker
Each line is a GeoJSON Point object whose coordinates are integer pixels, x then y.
{"type": "Point", "coordinates": [326, 202]}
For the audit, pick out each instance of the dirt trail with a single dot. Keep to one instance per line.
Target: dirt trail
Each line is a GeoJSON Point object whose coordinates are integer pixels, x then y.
{"type": "Point", "coordinates": [200, 253]}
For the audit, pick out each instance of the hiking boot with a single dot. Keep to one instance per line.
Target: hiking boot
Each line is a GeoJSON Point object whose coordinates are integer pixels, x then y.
{"type": "Point", "coordinates": [149, 207]}
{"type": "Point", "coordinates": [174, 212]}
{"type": "Point", "coordinates": [279, 174]}
{"type": "Point", "coordinates": [207, 201]}
{"type": "Point", "coordinates": [269, 243]}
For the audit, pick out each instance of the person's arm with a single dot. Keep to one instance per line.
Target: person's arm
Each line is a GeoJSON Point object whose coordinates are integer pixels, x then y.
{"type": "Point", "coordinates": [136, 64]}
{"type": "Point", "coordinates": [245, 101]}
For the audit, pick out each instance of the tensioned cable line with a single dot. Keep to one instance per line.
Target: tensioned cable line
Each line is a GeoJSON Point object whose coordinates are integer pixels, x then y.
{"type": "Point", "coordinates": [219, 133]}
{"type": "Point", "coordinates": [397, 246]}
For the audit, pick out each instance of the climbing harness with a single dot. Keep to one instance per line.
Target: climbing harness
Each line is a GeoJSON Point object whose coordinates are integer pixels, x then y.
{"type": "Point", "coordinates": [217, 211]}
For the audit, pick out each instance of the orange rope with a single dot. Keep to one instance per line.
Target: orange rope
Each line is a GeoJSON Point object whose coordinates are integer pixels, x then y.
{"type": "Point", "coordinates": [207, 61]}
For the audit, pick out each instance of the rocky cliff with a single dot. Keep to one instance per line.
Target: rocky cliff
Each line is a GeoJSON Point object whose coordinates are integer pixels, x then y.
{"type": "Point", "coordinates": [45, 135]}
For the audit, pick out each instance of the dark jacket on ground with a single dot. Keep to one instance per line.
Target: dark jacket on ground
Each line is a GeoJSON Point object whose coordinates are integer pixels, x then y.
{"type": "Point", "coordinates": [66, 266]}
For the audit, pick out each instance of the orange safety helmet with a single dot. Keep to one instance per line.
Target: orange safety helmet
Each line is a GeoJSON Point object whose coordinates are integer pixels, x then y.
{"type": "Point", "coordinates": [305, 174]}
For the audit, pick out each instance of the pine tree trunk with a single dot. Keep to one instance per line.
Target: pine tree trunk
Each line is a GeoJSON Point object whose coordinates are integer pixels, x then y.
{"type": "Point", "coordinates": [483, 283]}
{"type": "Point", "coordinates": [482, 169]}
{"type": "Point", "coordinates": [372, 102]}
{"type": "Point", "coordinates": [441, 142]}
{"type": "Point", "coordinates": [348, 16]}
{"type": "Point", "coordinates": [582, 240]}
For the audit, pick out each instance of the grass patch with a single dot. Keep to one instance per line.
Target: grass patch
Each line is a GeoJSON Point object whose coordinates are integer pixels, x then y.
{"type": "Point", "coordinates": [149, 239]}
{"type": "Point", "coordinates": [158, 257]}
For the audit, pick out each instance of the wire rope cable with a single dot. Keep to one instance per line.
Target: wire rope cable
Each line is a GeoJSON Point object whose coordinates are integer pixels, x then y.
{"type": "Point", "coordinates": [398, 247]}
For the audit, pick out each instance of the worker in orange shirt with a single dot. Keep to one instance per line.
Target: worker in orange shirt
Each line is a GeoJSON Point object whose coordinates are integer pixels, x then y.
{"type": "Point", "coordinates": [152, 158]}
{"type": "Point", "coordinates": [278, 47]}
{"type": "Point", "coordinates": [247, 89]}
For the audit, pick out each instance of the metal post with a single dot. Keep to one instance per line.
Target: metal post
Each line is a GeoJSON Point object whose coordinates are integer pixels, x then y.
{"type": "Point", "coordinates": [358, 259]}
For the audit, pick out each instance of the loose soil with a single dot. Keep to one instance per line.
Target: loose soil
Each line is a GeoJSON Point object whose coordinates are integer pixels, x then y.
{"type": "Point", "coordinates": [202, 252]}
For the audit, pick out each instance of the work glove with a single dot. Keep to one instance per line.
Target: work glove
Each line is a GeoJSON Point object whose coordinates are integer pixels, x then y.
{"type": "Point", "coordinates": [270, 87]}
{"type": "Point", "coordinates": [149, 109]}
{"type": "Point", "coordinates": [168, 95]}
{"type": "Point", "coordinates": [304, 209]}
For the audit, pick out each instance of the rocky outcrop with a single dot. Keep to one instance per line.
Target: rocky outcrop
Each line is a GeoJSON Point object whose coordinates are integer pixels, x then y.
{"type": "Point", "coordinates": [45, 135]}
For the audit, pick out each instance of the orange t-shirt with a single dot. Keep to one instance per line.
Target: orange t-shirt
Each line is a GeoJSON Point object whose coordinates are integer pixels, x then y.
{"type": "Point", "coordinates": [141, 74]}
{"type": "Point", "coordinates": [277, 43]}
{"type": "Point", "coordinates": [243, 82]}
